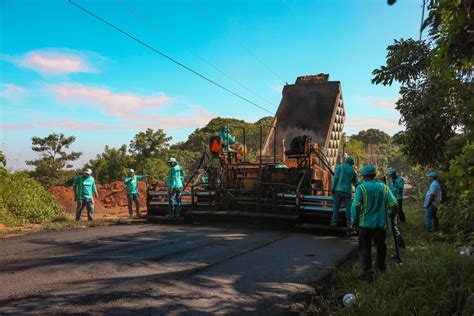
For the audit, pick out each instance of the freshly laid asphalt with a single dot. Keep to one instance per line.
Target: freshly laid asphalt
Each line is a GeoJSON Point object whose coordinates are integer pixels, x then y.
{"type": "Point", "coordinates": [165, 269]}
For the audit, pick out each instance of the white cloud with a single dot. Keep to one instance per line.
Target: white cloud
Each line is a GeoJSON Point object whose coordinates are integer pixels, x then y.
{"type": "Point", "coordinates": [384, 103]}
{"type": "Point", "coordinates": [388, 125]}
{"type": "Point", "coordinates": [124, 105]}
{"type": "Point", "coordinates": [57, 61]}
{"type": "Point", "coordinates": [13, 93]}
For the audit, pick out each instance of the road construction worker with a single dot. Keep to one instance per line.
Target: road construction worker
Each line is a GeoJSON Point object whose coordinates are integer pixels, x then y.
{"type": "Point", "coordinates": [432, 202]}
{"type": "Point", "coordinates": [83, 187]}
{"type": "Point", "coordinates": [175, 182]}
{"type": "Point", "coordinates": [372, 204]}
{"type": "Point", "coordinates": [341, 188]}
{"type": "Point", "coordinates": [132, 191]}
{"type": "Point", "coordinates": [396, 185]}
{"type": "Point", "coordinates": [227, 139]}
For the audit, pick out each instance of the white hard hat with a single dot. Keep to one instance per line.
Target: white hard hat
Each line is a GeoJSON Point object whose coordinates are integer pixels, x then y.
{"type": "Point", "coordinates": [88, 171]}
{"type": "Point", "coordinates": [172, 160]}
{"type": "Point", "coordinates": [131, 171]}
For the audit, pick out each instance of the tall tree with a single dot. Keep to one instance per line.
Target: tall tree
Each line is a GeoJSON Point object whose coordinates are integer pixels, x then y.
{"type": "Point", "coordinates": [50, 168]}
{"type": "Point", "coordinates": [111, 164]}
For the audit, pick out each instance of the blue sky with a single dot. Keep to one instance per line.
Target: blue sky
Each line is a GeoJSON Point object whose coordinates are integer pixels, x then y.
{"type": "Point", "coordinates": [64, 71]}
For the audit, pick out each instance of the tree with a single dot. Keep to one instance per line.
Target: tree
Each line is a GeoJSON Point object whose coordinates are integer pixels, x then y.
{"type": "Point", "coordinates": [433, 103]}
{"type": "Point", "coordinates": [112, 164]}
{"type": "Point", "coordinates": [50, 167]}
{"type": "Point", "coordinates": [3, 163]}
{"type": "Point", "coordinates": [149, 144]}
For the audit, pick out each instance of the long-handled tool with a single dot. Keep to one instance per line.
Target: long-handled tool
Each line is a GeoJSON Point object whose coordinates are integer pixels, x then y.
{"type": "Point", "coordinates": [397, 252]}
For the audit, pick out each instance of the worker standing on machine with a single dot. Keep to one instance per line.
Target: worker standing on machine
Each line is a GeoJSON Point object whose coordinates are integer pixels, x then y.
{"type": "Point", "coordinates": [227, 139]}
{"type": "Point", "coordinates": [373, 203]}
{"type": "Point", "coordinates": [344, 178]}
{"type": "Point", "coordinates": [175, 182]}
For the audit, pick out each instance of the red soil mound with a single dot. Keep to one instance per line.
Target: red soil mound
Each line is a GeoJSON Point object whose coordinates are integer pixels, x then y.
{"type": "Point", "coordinates": [111, 196]}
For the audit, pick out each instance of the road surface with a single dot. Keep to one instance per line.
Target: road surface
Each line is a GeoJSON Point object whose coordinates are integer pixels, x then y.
{"type": "Point", "coordinates": [165, 269]}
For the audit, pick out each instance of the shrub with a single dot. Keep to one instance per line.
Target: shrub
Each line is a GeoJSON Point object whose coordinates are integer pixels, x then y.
{"type": "Point", "coordinates": [23, 200]}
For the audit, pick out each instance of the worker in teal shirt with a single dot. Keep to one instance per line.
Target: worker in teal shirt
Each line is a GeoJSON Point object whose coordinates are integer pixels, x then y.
{"type": "Point", "coordinates": [227, 139]}
{"type": "Point", "coordinates": [83, 187]}
{"type": "Point", "coordinates": [396, 184]}
{"type": "Point", "coordinates": [432, 202]}
{"type": "Point", "coordinates": [175, 182]}
{"type": "Point", "coordinates": [132, 191]}
{"type": "Point", "coordinates": [373, 203]}
{"type": "Point", "coordinates": [344, 178]}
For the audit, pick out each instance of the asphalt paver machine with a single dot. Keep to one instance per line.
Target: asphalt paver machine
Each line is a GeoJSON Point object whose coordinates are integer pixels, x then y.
{"type": "Point", "coordinates": [290, 177]}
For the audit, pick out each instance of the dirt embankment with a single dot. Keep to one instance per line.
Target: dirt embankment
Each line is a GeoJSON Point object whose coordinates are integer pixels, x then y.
{"type": "Point", "coordinates": [112, 199]}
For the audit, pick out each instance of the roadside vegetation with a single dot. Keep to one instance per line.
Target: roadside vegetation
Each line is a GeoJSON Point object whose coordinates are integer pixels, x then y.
{"type": "Point", "coordinates": [433, 280]}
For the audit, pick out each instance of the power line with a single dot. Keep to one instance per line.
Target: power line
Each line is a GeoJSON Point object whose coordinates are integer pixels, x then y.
{"type": "Point", "coordinates": [186, 47]}
{"type": "Point", "coordinates": [241, 44]}
{"type": "Point", "coordinates": [168, 57]}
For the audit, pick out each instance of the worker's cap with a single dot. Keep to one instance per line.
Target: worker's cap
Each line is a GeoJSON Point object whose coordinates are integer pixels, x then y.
{"type": "Point", "coordinates": [88, 171]}
{"type": "Point", "coordinates": [131, 171]}
{"type": "Point", "coordinates": [432, 174]}
{"type": "Point", "coordinates": [172, 160]}
{"type": "Point", "coordinates": [368, 170]}
{"type": "Point", "coordinates": [225, 128]}
{"type": "Point", "coordinates": [350, 160]}
{"type": "Point", "coordinates": [392, 171]}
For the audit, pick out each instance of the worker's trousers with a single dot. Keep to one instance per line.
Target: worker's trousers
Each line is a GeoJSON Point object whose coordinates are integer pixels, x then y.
{"type": "Point", "coordinates": [339, 198]}
{"type": "Point", "coordinates": [366, 236]}
{"type": "Point", "coordinates": [89, 205]}
{"type": "Point", "coordinates": [174, 201]}
{"type": "Point", "coordinates": [133, 197]}
{"type": "Point", "coordinates": [431, 220]}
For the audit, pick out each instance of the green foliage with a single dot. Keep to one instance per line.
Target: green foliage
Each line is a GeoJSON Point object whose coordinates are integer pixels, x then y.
{"type": "Point", "coordinates": [23, 200]}
{"type": "Point", "coordinates": [149, 144]}
{"type": "Point", "coordinates": [459, 213]}
{"type": "Point", "coordinates": [50, 167]}
{"type": "Point", "coordinates": [3, 163]}
{"type": "Point", "coordinates": [434, 280]}
{"type": "Point", "coordinates": [372, 136]}
{"type": "Point", "coordinates": [434, 102]}
{"type": "Point", "coordinates": [111, 165]}
{"type": "Point", "coordinates": [451, 25]}
{"type": "Point", "coordinates": [407, 60]}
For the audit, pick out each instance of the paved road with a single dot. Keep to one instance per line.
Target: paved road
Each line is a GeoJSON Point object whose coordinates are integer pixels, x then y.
{"type": "Point", "coordinates": [164, 269]}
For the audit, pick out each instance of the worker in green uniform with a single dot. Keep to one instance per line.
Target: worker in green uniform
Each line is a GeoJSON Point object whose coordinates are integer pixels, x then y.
{"type": "Point", "coordinates": [227, 139]}
{"type": "Point", "coordinates": [132, 191]}
{"type": "Point", "coordinates": [432, 202]}
{"type": "Point", "coordinates": [175, 182]}
{"type": "Point", "coordinates": [396, 184]}
{"type": "Point", "coordinates": [344, 178]}
{"type": "Point", "coordinates": [83, 187]}
{"type": "Point", "coordinates": [373, 203]}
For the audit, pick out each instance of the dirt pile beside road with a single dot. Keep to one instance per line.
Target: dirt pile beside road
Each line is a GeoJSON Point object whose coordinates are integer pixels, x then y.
{"type": "Point", "coordinates": [111, 196]}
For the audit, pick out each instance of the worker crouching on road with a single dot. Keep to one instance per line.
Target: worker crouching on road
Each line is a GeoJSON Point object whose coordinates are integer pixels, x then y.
{"type": "Point", "coordinates": [132, 191]}
{"type": "Point", "coordinates": [344, 178]}
{"type": "Point", "coordinates": [396, 185]}
{"type": "Point", "coordinates": [432, 202]}
{"type": "Point", "coordinates": [373, 202]}
{"type": "Point", "coordinates": [83, 187]}
{"type": "Point", "coordinates": [175, 182]}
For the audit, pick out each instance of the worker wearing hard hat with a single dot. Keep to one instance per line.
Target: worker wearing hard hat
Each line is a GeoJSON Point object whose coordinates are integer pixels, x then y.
{"type": "Point", "coordinates": [175, 182]}
{"type": "Point", "coordinates": [396, 185]}
{"type": "Point", "coordinates": [132, 191]}
{"type": "Point", "coordinates": [432, 202]}
{"type": "Point", "coordinates": [341, 188]}
{"type": "Point", "coordinates": [83, 187]}
{"type": "Point", "coordinates": [227, 139]}
{"type": "Point", "coordinates": [373, 202]}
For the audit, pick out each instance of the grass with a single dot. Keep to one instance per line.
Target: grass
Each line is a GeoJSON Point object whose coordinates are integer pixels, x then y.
{"type": "Point", "coordinates": [434, 279]}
